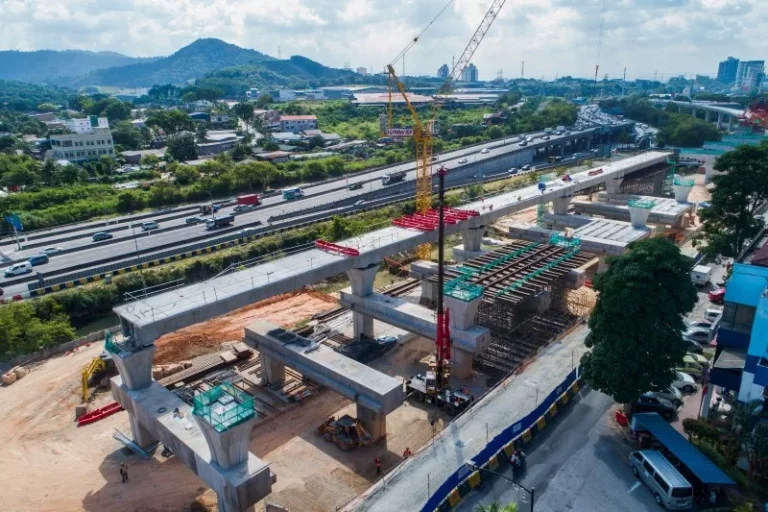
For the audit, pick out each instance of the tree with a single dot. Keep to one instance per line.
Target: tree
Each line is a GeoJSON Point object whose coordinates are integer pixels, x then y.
{"type": "Point", "coordinates": [182, 147]}
{"type": "Point", "coordinates": [636, 327]}
{"type": "Point", "coordinates": [244, 112]}
{"type": "Point", "coordinates": [47, 107]}
{"type": "Point", "coordinates": [172, 122]}
{"type": "Point", "coordinates": [20, 176]}
{"type": "Point", "coordinates": [127, 135]}
{"type": "Point", "coordinates": [202, 132]}
{"type": "Point", "coordinates": [264, 101]}
{"type": "Point", "coordinates": [186, 175]}
{"type": "Point", "coordinates": [7, 143]}
{"type": "Point", "coordinates": [730, 222]}
{"type": "Point", "coordinates": [496, 507]}
{"type": "Point", "coordinates": [117, 111]}
{"type": "Point", "coordinates": [49, 173]}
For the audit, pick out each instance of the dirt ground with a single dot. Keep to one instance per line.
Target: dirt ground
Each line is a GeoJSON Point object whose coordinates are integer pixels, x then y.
{"type": "Point", "coordinates": [48, 464]}
{"type": "Point", "coordinates": [286, 310]}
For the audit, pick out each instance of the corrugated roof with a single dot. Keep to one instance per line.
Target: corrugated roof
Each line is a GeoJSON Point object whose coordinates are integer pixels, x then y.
{"type": "Point", "coordinates": [698, 463]}
{"type": "Point", "coordinates": [760, 257]}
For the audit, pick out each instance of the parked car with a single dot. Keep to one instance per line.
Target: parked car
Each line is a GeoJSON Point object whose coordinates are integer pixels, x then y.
{"type": "Point", "coordinates": [50, 251]}
{"type": "Point", "coordinates": [684, 382]}
{"type": "Point", "coordinates": [485, 151]}
{"type": "Point", "coordinates": [386, 340]}
{"type": "Point", "coordinates": [716, 296]}
{"type": "Point", "coordinates": [101, 235]}
{"type": "Point", "coordinates": [691, 367]}
{"type": "Point", "coordinates": [691, 346]}
{"type": "Point", "coordinates": [712, 314]}
{"type": "Point", "coordinates": [699, 324]}
{"type": "Point", "coordinates": [671, 393]}
{"type": "Point", "coordinates": [38, 259]}
{"type": "Point", "coordinates": [699, 335]}
{"type": "Point", "coordinates": [149, 225]}
{"type": "Point", "coordinates": [649, 403]}
{"type": "Point", "coordinates": [193, 220]}
{"type": "Point", "coordinates": [18, 269]}
{"type": "Point", "coordinates": [703, 361]}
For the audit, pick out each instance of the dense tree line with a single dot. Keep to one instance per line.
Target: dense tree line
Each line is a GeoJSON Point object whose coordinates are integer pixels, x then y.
{"type": "Point", "coordinates": [24, 97]}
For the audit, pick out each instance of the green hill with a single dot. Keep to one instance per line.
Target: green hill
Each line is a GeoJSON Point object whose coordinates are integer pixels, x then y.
{"type": "Point", "coordinates": [48, 66]}
{"type": "Point", "coordinates": [192, 61]}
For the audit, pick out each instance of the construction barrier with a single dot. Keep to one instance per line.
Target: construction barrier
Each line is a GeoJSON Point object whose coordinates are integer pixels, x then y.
{"type": "Point", "coordinates": [495, 456]}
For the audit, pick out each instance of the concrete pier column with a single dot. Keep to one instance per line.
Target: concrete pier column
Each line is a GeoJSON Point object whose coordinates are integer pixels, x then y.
{"type": "Point", "coordinates": [423, 270]}
{"type": "Point", "coordinates": [612, 185]}
{"type": "Point", "coordinates": [472, 238]}
{"type": "Point", "coordinates": [375, 423]}
{"type": "Point", "coordinates": [141, 436]}
{"type": "Point", "coordinates": [638, 215]}
{"type": "Point", "coordinates": [562, 149]}
{"type": "Point", "coordinates": [362, 286]}
{"type": "Point", "coordinates": [462, 315]}
{"type": "Point", "coordinates": [693, 111]}
{"type": "Point", "coordinates": [462, 363]}
{"type": "Point", "coordinates": [274, 369]}
{"type": "Point", "coordinates": [730, 122]}
{"type": "Point", "coordinates": [561, 205]}
{"type": "Point", "coordinates": [707, 115]}
{"type": "Point", "coordinates": [719, 120]}
{"type": "Point", "coordinates": [135, 366]}
{"type": "Point", "coordinates": [682, 187]}
{"type": "Point", "coordinates": [229, 448]}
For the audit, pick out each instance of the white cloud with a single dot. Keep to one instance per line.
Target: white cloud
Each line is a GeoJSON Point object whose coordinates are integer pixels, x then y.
{"type": "Point", "coordinates": [551, 36]}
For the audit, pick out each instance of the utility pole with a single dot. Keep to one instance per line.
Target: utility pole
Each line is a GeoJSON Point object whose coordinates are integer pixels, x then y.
{"type": "Point", "coordinates": [624, 82]}
{"type": "Point", "coordinates": [279, 56]}
{"type": "Point", "coordinates": [522, 69]}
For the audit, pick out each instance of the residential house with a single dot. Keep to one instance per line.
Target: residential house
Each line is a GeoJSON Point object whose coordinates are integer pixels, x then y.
{"type": "Point", "coordinates": [134, 157]}
{"type": "Point", "coordinates": [218, 141]}
{"type": "Point", "coordinates": [220, 118]}
{"type": "Point", "coordinates": [275, 156]}
{"type": "Point", "coordinates": [298, 124]}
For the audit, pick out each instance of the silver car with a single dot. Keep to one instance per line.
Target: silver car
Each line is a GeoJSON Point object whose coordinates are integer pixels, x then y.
{"type": "Point", "coordinates": [671, 393]}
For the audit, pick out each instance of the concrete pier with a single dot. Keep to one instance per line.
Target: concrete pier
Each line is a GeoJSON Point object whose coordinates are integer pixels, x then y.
{"type": "Point", "coordinates": [462, 315]}
{"type": "Point", "coordinates": [274, 370]}
{"type": "Point", "coordinates": [613, 184]}
{"type": "Point", "coordinates": [378, 394]}
{"type": "Point", "coordinates": [472, 246]}
{"type": "Point", "coordinates": [135, 365]}
{"type": "Point", "coordinates": [639, 212]}
{"type": "Point", "coordinates": [423, 270]}
{"type": "Point", "coordinates": [682, 187]}
{"type": "Point", "coordinates": [362, 286]}
{"type": "Point", "coordinates": [561, 205]}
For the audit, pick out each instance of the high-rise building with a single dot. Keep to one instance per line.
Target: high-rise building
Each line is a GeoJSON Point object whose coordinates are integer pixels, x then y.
{"type": "Point", "coordinates": [748, 74]}
{"type": "Point", "coordinates": [726, 71]}
{"type": "Point", "coordinates": [469, 74]}
{"type": "Point", "coordinates": [362, 71]}
{"type": "Point", "coordinates": [443, 71]}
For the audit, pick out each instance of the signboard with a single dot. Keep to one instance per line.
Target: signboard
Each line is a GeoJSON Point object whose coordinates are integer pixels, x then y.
{"type": "Point", "coordinates": [400, 132]}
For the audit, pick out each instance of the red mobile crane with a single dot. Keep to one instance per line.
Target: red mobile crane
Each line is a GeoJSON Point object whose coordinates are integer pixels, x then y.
{"type": "Point", "coordinates": [434, 387]}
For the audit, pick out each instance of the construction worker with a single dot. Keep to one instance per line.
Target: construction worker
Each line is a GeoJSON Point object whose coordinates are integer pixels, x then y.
{"type": "Point", "coordinates": [407, 453]}
{"type": "Point", "coordinates": [377, 461]}
{"type": "Point", "coordinates": [123, 472]}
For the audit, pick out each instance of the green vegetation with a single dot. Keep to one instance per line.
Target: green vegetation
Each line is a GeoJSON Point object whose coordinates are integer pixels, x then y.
{"type": "Point", "coordinates": [676, 129]}
{"type": "Point", "coordinates": [630, 354]}
{"type": "Point", "coordinates": [743, 188]}
{"type": "Point", "coordinates": [23, 329]}
{"type": "Point", "coordinates": [26, 97]}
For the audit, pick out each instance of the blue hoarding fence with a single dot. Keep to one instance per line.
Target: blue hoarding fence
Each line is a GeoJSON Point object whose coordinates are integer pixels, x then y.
{"type": "Point", "coordinates": [497, 452]}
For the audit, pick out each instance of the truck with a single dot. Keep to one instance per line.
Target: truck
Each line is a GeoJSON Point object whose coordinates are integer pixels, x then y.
{"type": "Point", "coordinates": [393, 177]}
{"type": "Point", "coordinates": [248, 199]}
{"type": "Point", "coordinates": [548, 131]}
{"type": "Point", "coordinates": [700, 275]}
{"type": "Point", "coordinates": [423, 388]}
{"type": "Point", "coordinates": [560, 130]}
{"type": "Point", "coordinates": [219, 222]}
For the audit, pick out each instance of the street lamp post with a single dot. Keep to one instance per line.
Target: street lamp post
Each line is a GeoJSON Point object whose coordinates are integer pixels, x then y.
{"type": "Point", "coordinates": [531, 491]}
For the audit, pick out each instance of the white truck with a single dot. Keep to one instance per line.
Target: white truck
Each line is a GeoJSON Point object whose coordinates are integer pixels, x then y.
{"type": "Point", "coordinates": [548, 131]}
{"type": "Point", "coordinates": [700, 275]}
{"type": "Point", "coordinates": [560, 130]}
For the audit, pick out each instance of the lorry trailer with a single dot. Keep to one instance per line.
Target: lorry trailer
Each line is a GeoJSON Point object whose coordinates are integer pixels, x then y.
{"type": "Point", "coordinates": [393, 177]}
{"type": "Point", "coordinates": [219, 222]}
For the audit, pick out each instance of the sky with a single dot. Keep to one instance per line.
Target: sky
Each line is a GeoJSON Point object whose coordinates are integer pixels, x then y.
{"type": "Point", "coordinates": [650, 38]}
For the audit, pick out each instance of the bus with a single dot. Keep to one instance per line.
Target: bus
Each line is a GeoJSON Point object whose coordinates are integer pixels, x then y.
{"type": "Point", "coordinates": [292, 193]}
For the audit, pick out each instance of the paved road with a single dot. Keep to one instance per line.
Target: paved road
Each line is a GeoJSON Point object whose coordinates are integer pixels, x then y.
{"type": "Point", "coordinates": [579, 465]}
{"type": "Point", "coordinates": [84, 251]}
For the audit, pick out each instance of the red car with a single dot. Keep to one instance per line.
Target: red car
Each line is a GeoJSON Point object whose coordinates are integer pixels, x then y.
{"type": "Point", "coordinates": [716, 296]}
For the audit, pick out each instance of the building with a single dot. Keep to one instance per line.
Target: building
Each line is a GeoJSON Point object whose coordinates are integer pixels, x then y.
{"type": "Point", "coordinates": [90, 140]}
{"type": "Point", "coordinates": [747, 74]}
{"type": "Point", "coordinates": [252, 93]}
{"type": "Point", "coordinates": [726, 71]}
{"type": "Point", "coordinates": [741, 360]}
{"type": "Point", "coordinates": [469, 74]}
{"type": "Point", "coordinates": [298, 123]}
{"type": "Point", "coordinates": [219, 118]}
{"type": "Point", "coordinates": [443, 71]}
{"type": "Point", "coordinates": [218, 141]}
{"type": "Point", "coordinates": [361, 71]}
{"type": "Point", "coordinates": [134, 157]}
{"type": "Point", "coordinates": [382, 99]}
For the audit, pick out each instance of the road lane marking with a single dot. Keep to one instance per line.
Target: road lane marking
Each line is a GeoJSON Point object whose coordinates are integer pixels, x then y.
{"type": "Point", "coordinates": [637, 484]}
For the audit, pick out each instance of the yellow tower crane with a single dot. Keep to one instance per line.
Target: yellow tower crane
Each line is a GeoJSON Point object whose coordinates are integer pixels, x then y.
{"type": "Point", "coordinates": [423, 133]}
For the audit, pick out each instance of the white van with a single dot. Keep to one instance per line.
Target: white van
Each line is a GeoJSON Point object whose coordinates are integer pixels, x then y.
{"type": "Point", "coordinates": [670, 489]}
{"type": "Point", "coordinates": [18, 269]}
{"type": "Point", "coordinates": [149, 225]}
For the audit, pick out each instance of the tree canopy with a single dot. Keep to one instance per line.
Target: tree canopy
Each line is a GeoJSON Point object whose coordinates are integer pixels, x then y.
{"type": "Point", "coordinates": [182, 148]}
{"type": "Point", "coordinates": [635, 329]}
{"type": "Point", "coordinates": [730, 222]}
{"type": "Point", "coordinates": [172, 122]}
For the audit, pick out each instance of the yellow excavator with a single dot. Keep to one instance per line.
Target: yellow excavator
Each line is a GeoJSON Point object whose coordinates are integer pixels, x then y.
{"type": "Point", "coordinates": [98, 367]}
{"type": "Point", "coordinates": [347, 432]}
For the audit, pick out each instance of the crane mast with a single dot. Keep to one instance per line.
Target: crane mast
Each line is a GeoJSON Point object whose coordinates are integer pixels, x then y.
{"type": "Point", "coordinates": [423, 133]}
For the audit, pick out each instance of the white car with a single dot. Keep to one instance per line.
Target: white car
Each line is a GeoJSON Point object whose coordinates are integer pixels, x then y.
{"type": "Point", "coordinates": [18, 269]}
{"type": "Point", "coordinates": [684, 382]}
{"type": "Point", "coordinates": [699, 324]}
{"type": "Point", "coordinates": [50, 251]}
{"type": "Point", "coordinates": [712, 314]}
{"type": "Point", "coordinates": [485, 151]}
{"type": "Point", "coordinates": [671, 393]}
{"type": "Point", "coordinates": [359, 203]}
{"type": "Point", "coordinates": [463, 161]}
{"type": "Point", "coordinates": [699, 335]}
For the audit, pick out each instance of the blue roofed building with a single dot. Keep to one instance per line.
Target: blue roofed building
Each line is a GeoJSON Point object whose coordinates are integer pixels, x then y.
{"type": "Point", "coordinates": [741, 360]}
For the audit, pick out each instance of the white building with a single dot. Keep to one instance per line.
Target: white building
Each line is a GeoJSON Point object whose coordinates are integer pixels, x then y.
{"type": "Point", "coordinates": [361, 71]}
{"type": "Point", "coordinates": [297, 124]}
{"type": "Point", "coordinates": [86, 124]}
{"type": "Point", "coordinates": [90, 141]}
{"type": "Point", "coordinates": [748, 74]}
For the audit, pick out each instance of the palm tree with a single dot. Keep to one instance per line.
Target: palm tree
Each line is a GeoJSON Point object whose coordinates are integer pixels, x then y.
{"type": "Point", "coordinates": [496, 507]}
